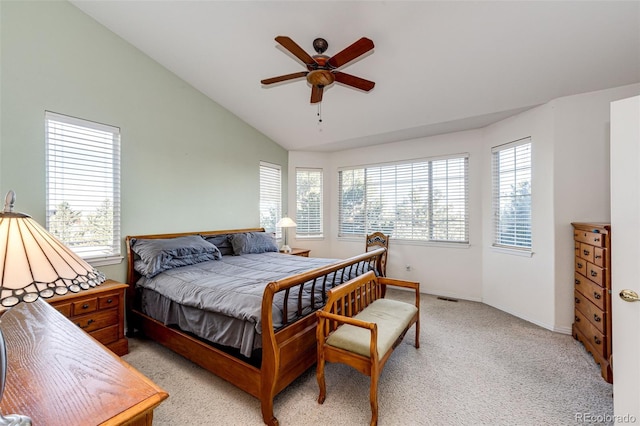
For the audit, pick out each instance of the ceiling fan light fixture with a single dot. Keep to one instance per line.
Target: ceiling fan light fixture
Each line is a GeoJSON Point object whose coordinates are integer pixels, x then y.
{"type": "Point", "coordinates": [320, 78]}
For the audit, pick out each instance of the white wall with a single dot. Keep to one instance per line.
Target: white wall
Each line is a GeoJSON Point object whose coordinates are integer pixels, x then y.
{"type": "Point", "coordinates": [522, 285]}
{"type": "Point", "coordinates": [570, 182]}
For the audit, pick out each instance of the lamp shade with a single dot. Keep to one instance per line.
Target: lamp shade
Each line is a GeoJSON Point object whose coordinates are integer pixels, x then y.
{"type": "Point", "coordinates": [286, 222]}
{"type": "Point", "coordinates": [34, 263]}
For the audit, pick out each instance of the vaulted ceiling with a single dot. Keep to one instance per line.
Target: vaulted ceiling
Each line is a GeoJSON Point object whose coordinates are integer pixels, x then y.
{"type": "Point", "coordinates": [439, 66]}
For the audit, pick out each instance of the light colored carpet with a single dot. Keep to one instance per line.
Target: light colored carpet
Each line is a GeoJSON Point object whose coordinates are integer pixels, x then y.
{"type": "Point", "coordinates": [476, 366]}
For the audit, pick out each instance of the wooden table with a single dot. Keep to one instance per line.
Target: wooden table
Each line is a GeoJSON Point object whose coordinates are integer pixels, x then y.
{"type": "Point", "coordinates": [59, 375]}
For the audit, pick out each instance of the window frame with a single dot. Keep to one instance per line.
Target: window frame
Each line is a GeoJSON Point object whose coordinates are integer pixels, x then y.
{"type": "Point", "coordinates": [270, 193]}
{"type": "Point", "coordinates": [362, 220]}
{"type": "Point", "coordinates": [83, 160]}
{"type": "Point", "coordinates": [316, 224]}
{"type": "Point", "coordinates": [521, 174]}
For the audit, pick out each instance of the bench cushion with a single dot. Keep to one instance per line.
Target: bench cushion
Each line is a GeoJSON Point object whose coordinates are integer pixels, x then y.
{"type": "Point", "coordinates": [391, 316]}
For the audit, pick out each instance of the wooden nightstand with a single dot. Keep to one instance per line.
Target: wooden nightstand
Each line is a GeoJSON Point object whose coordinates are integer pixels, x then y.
{"type": "Point", "coordinates": [299, 252]}
{"type": "Point", "coordinates": [58, 375]}
{"type": "Point", "coordinates": [98, 311]}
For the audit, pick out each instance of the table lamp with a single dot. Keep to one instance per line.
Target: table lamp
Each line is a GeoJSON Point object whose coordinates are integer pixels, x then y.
{"type": "Point", "coordinates": [33, 264]}
{"type": "Point", "coordinates": [286, 222]}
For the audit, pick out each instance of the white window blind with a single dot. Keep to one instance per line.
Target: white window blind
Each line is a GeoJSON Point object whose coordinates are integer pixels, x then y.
{"type": "Point", "coordinates": [424, 200]}
{"type": "Point", "coordinates": [270, 196]}
{"type": "Point", "coordinates": [309, 202]}
{"type": "Point", "coordinates": [83, 186]}
{"type": "Point", "coordinates": [512, 194]}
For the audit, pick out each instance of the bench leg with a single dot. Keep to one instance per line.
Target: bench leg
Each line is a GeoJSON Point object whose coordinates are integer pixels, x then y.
{"type": "Point", "coordinates": [418, 333]}
{"type": "Point", "coordinates": [320, 377]}
{"type": "Point", "coordinates": [373, 396]}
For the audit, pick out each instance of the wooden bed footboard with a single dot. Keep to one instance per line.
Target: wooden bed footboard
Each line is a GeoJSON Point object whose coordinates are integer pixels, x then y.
{"type": "Point", "coordinates": [287, 352]}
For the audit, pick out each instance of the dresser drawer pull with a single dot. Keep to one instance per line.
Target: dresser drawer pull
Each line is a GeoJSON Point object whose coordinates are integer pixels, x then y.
{"type": "Point", "coordinates": [91, 321]}
{"type": "Point", "coordinates": [109, 300]}
{"type": "Point", "coordinates": [598, 256]}
{"type": "Point", "coordinates": [597, 340]}
{"type": "Point", "coordinates": [585, 252]}
{"type": "Point", "coordinates": [579, 265]}
{"type": "Point", "coordinates": [85, 306]}
{"type": "Point", "coordinates": [594, 273]}
{"type": "Point", "coordinates": [577, 319]}
{"type": "Point", "coordinates": [597, 295]}
{"type": "Point", "coordinates": [577, 281]}
{"type": "Point", "coordinates": [596, 239]}
{"type": "Point", "coordinates": [597, 318]}
{"type": "Point", "coordinates": [577, 300]}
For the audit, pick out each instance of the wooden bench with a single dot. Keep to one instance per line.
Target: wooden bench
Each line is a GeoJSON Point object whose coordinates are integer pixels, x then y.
{"type": "Point", "coordinates": [360, 328]}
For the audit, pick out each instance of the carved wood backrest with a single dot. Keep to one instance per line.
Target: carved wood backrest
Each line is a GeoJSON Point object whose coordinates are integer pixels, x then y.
{"type": "Point", "coordinates": [377, 240]}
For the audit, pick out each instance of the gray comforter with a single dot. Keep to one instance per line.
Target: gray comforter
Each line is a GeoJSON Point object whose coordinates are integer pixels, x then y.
{"type": "Point", "coordinates": [231, 287]}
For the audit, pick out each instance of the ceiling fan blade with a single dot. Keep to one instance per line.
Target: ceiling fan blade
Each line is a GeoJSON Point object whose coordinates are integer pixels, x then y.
{"type": "Point", "coordinates": [348, 54]}
{"type": "Point", "coordinates": [284, 77]}
{"type": "Point", "coordinates": [296, 50]}
{"type": "Point", "coordinates": [353, 81]}
{"type": "Point", "coordinates": [316, 94]}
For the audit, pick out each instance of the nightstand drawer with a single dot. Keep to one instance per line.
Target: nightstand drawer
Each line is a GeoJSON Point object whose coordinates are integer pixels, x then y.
{"type": "Point", "coordinates": [96, 320]}
{"type": "Point", "coordinates": [108, 301]}
{"type": "Point", "coordinates": [106, 335]}
{"type": "Point", "coordinates": [84, 306]}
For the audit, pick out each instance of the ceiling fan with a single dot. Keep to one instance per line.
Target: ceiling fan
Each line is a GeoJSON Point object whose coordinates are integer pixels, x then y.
{"type": "Point", "coordinates": [322, 70]}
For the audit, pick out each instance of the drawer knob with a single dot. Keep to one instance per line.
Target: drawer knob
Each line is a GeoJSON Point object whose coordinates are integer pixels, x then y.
{"type": "Point", "coordinates": [579, 265]}
{"type": "Point", "coordinates": [598, 256]}
{"type": "Point", "coordinates": [597, 340]}
{"type": "Point", "coordinates": [577, 281]}
{"type": "Point", "coordinates": [586, 252]}
{"type": "Point", "coordinates": [109, 300]}
{"type": "Point", "coordinates": [596, 239]}
{"type": "Point", "coordinates": [596, 318]}
{"type": "Point", "coordinates": [577, 300]}
{"type": "Point", "coordinates": [577, 319]}
{"type": "Point", "coordinates": [594, 273]}
{"type": "Point", "coordinates": [597, 295]}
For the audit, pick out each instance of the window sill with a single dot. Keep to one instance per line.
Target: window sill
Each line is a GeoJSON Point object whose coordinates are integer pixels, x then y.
{"type": "Point", "coordinates": [105, 261]}
{"type": "Point", "coordinates": [512, 251]}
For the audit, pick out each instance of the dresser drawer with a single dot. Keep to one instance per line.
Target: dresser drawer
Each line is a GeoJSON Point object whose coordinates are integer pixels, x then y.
{"type": "Point", "coordinates": [586, 252]}
{"type": "Point", "coordinates": [581, 265]}
{"type": "Point", "coordinates": [592, 238]}
{"type": "Point", "coordinates": [108, 301]}
{"type": "Point", "coordinates": [596, 274]}
{"type": "Point", "coordinates": [96, 320]}
{"type": "Point", "coordinates": [592, 291]}
{"type": "Point", "coordinates": [594, 314]}
{"type": "Point", "coordinates": [594, 336]}
{"type": "Point", "coordinates": [600, 257]}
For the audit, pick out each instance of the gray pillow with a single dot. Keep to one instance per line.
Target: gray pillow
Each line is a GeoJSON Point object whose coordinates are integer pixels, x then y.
{"type": "Point", "coordinates": [253, 242]}
{"type": "Point", "coordinates": [157, 255]}
{"type": "Point", "coordinates": [223, 242]}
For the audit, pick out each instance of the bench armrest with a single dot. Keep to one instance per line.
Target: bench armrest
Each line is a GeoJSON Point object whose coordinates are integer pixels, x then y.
{"type": "Point", "coordinates": [345, 320]}
{"type": "Point", "coordinates": [399, 283]}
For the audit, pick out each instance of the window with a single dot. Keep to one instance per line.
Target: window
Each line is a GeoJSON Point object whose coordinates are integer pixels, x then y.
{"type": "Point", "coordinates": [309, 202]}
{"type": "Point", "coordinates": [424, 200]}
{"type": "Point", "coordinates": [270, 196]}
{"type": "Point", "coordinates": [512, 194]}
{"type": "Point", "coordinates": [83, 186]}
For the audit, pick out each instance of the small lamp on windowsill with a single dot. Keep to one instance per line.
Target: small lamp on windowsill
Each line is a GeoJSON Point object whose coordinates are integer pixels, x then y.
{"type": "Point", "coordinates": [33, 264]}
{"type": "Point", "coordinates": [286, 222]}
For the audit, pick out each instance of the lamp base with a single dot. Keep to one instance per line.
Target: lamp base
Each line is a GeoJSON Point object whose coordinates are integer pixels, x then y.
{"type": "Point", "coordinates": [285, 249]}
{"type": "Point", "coordinates": [14, 420]}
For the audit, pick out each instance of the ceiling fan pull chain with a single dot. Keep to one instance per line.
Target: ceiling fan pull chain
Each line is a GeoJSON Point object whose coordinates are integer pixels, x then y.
{"type": "Point", "coordinates": [319, 112]}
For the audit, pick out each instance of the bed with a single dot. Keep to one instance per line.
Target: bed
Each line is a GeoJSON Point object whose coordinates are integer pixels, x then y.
{"type": "Point", "coordinates": [248, 318]}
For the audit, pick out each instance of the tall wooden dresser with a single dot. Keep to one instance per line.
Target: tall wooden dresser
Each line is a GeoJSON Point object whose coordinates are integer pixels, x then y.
{"type": "Point", "coordinates": [592, 324]}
